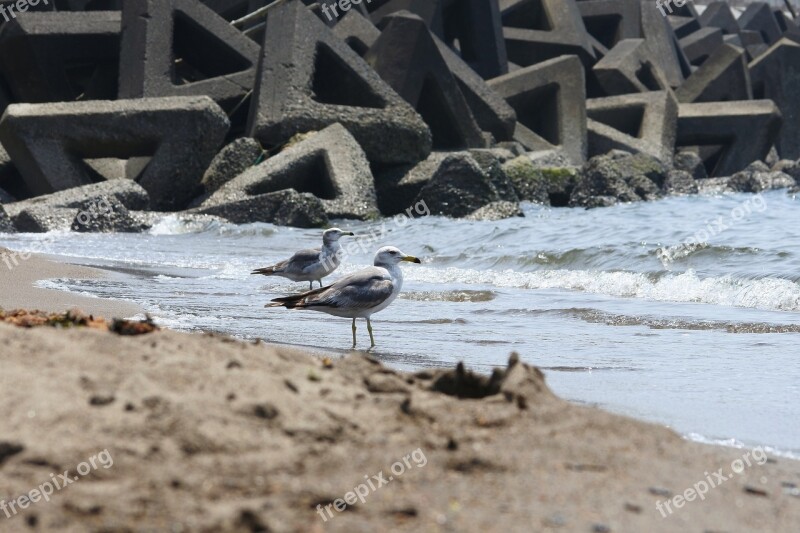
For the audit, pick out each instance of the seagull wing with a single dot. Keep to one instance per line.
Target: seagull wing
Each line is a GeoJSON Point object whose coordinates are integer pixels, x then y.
{"type": "Point", "coordinates": [297, 264]}
{"type": "Point", "coordinates": [364, 289]}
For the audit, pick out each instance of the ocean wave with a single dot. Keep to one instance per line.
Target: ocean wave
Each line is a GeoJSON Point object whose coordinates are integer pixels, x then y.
{"type": "Point", "coordinates": [739, 445]}
{"type": "Point", "coordinates": [766, 293]}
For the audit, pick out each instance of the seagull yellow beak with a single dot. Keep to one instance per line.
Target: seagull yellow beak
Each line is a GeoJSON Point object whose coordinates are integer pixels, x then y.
{"type": "Point", "coordinates": [411, 259]}
{"type": "Point", "coordinates": [350, 233]}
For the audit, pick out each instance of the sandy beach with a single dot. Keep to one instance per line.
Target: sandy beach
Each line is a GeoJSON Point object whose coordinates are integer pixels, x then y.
{"type": "Point", "coordinates": [19, 274]}
{"type": "Point", "coordinates": [197, 432]}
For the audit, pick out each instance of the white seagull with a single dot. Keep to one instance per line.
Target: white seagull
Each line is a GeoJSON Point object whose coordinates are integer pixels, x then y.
{"type": "Point", "coordinates": [359, 295]}
{"type": "Point", "coordinates": [313, 264]}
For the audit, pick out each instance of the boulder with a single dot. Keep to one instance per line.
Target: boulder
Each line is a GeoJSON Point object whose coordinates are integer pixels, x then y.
{"type": "Point", "coordinates": [399, 186]}
{"type": "Point", "coordinates": [43, 219]}
{"type": "Point", "coordinates": [680, 183]}
{"type": "Point", "coordinates": [690, 162]}
{"type": "Point", "coordinates": [496, 211]}
{"type": "Point", "coordinates": [109, 216]}
{"type": "Point", "coordinates": [284, 208]}
{"type": "Point", "coordinates": [757, 177]}
{"type": "Point", "coordinates": [618, 177]}
{"type": "Point", "coordinates": [6, 226]}
{"type": "Point", "coordinates": [492, 166]}
{"type": "Point", "coordinates": [231, 161]}
{"type": "Point", "coordinates": [792, 168]}
{"type": "Point", "coordinates": [329, 164]}
{"type": "Point", "coordinates": [458, 188]}
{"type": "Point", "coordinates": [541, 184]}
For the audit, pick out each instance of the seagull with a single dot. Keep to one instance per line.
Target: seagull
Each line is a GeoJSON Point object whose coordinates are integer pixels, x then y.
{"type": "Point", "coordinates": [313, 264]}
{"type": "Point", "coordinates": [359, 295]}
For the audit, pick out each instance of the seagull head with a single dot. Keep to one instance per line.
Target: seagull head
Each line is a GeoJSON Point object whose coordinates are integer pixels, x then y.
{"type": "Point", "coordinates": [390, 256]}
{"type": "Point", "coordinates": [334, 234]}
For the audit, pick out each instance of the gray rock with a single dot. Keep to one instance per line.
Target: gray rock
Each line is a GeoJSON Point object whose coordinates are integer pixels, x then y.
{"type": "Point", "coordinates": [713, 185]}
{"type": "Point", "coordinates": [109, 216]}
{"type": "Point", "coordinates": [329, 164]}
{"type": "Point", "coordinates": [43, 219]}
{"type": "Point", "coordinates": [231, 161]}
{"type": "Point", "coordinates": [691, 163]}
{"type": "Point", "coordinates": [544, 185]}
{"type": "Point", "coordinates": [680, 183]}
{"type": "Point", "coordinates": [497, 211]}
{"type": "Point", "coordinates": [757, 177]}
{"type": "Point", "coordinates": [6, 226]}
{"type": "Point", "coordinates": [399, 187]}
{"type": "Point", "coordinates": [792, 168]}
{"type": "Point", "coordinates": [458, 188]}
{"type": "Point", "coordinates": [492, 166]}
{"type": "Point", "coordinates": [284, 208]}
{"type": "Point", "coordinates": [126, 192]}
{"type": "Point", "coordinates": [623, 177]}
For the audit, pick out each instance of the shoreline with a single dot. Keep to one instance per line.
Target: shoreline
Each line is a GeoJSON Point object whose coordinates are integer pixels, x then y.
{"type": "Point", "coordinates": [17, 288]}
{"type": "Point", "coordinates": [39, 267]}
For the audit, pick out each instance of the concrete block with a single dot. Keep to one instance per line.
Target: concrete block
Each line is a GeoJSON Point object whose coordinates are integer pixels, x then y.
{"type": "Point", "coordinates": [231, 161]}
{"type": "Point", "coordinates": [758, 17]}
{"type": "Point", "coordinates": [183, 48]}
{"type": "Point", "coordinates": [38, 219]}
{"type": "Point", "coordinates": [776, 75]}
{"type": "Point", "coordinates": [719, 15]}
{"type": "Point", "coordinates": [283, 208]}
{"type": "Point", "coordinates": [701, 44]}
{"type": "Point", "coordinates": [60, 57]}
{"type": "Point", "coordinates": [329, 164]}
{"type": "Point", "coordinates": [738, 133]}
{"type": "Point", "coordinates": [629, 68]}
{"type": "Point", "coordinates": [473, 28]}
{"type": "Point", "coordinates": [125, 192]}
{"type": "Point", "coordinates": [109, 217]}
{"type": "Point", "coordinates": [662, 44]}
{"type": "Point", "coordinates": [406, 57]}
{"type": "Point", "coordinates": [610, 21]}
{"type": "Point", "coordinates": [637, 123]}
{"type": "Point", "coordinates": [309, 79]}
{"type": "Point", "coordinates": [723, 77]}
{"type": "Point", "coordinates": [539, 30]}
{"type": "Point", "coordinates": [48, 142]}
{"type": "Point", "coordinates": [550, 101]}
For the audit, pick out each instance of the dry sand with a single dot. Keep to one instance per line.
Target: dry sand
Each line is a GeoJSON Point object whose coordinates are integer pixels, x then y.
{"type": "Point", "coordinates": [211, 434]}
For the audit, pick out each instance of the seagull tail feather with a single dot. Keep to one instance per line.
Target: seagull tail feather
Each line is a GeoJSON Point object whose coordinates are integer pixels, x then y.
{"type": "Point", "coordinates": [297, 301]}
{"type": "Point", "coordinates": [266, 271]}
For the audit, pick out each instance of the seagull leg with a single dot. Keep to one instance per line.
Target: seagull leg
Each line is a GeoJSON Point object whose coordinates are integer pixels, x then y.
{"type": "Point", "coordinates": [371, 338]}
{"type": "Point", "coordinates": [354, 334]}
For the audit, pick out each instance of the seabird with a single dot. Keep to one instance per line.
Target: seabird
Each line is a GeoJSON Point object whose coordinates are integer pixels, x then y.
{"type": "Point", "coordinates": [313, 264]}
{"type": "Point", "coordinates": [359, 295]}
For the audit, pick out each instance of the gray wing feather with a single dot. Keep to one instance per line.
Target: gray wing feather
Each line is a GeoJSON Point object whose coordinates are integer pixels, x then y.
{"type": "Point", "coordinates": [299, 262]}
{"type": "Point", "coordinates": [362, 290]}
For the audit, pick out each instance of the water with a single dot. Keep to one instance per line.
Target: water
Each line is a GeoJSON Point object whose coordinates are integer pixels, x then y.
{"type": "Point", "coordinates": [706, 344]}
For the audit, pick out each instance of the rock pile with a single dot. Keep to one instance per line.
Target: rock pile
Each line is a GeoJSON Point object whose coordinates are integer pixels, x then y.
{"type": "Point", "coordinates": [300, 111]}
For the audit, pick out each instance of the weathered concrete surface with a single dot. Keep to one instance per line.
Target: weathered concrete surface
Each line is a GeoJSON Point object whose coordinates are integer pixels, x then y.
{"type": "Point", "coordinates": [231, 161]}
{"type": "Point", "coordinates": [182, 134]}
{"type": "Point", "coordinates": [329, 164]}
{"type": "Point", "coordinates": [550, 101]}
{"type": "Point", "coordinates": [310, 79]}
{"type": "Point", "coordinates": [746, 130]}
